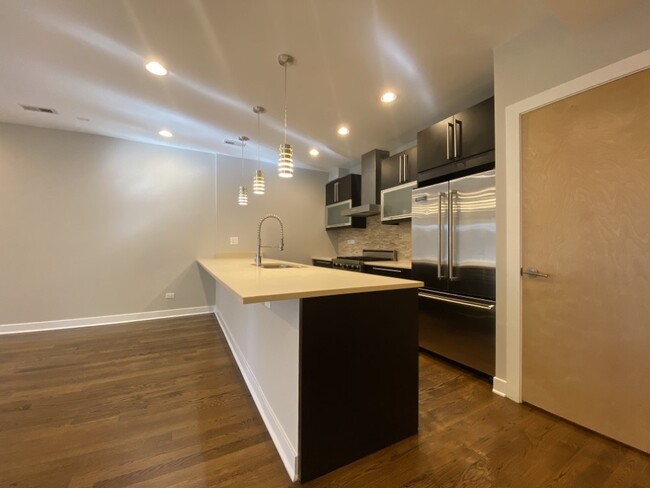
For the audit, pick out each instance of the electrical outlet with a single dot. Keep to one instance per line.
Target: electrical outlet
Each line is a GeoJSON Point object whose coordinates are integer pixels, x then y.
{"type": "Point", "coordinates": [234, 241]}
{"type": "Point", "coordinates": [351, 241]}
{"type": "Point", "coordinates": [169, 296]}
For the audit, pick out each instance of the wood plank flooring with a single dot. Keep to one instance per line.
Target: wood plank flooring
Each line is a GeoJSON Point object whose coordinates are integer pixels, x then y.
{"type": "Point", "coordinates": [162, 404]}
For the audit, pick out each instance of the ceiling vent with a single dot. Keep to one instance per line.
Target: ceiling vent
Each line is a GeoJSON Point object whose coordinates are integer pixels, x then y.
{"type": "Point", "coordinates": [32, 108]}
{"type": "Point", "coordinates": [233, 143]}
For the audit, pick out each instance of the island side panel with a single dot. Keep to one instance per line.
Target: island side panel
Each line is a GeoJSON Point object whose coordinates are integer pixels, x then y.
{"type": "Point", "coordinates": [358, 376]}
{"type": "Point", "coordinates": [264, 342]}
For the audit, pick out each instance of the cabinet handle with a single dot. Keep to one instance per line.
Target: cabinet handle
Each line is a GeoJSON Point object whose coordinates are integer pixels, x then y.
{"type": "Point", "coordinates": [457, 137]}
{"type": "Point", "coordinates": [406, 162]}
{"type": "Point", "coordinates": [391, 270]}
{"type": "Point", "coordinates": [450, 130]}
{"type": "Point", "coordinates": [336, 191]}
{"type": "Point", "coordinates": [401, 170]}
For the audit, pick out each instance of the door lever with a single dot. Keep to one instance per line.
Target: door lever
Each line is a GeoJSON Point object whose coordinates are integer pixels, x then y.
{"type": "Point", "coordinates": [533, 273]}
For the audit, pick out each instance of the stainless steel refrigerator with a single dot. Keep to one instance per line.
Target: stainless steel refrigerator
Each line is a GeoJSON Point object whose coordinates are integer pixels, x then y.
{"type": "Point", "coordinates": [454, 254]}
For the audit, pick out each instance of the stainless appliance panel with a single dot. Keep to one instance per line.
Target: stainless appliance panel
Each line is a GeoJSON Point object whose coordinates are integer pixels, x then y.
{"type": "Point", "coordinates": [458, 328]}
{"type": "Point", "coordinates": [429, 235]}
{"type": "Point", "coordinates": [472, 239]}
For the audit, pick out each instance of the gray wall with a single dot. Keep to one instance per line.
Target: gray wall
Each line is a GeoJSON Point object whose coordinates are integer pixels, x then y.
{"type": "Point", "coordinates": [547, 56]}
{"type": "Point", "coordinates": [96, 226]}
{"type": "Point", "coordinates": [298, 201]}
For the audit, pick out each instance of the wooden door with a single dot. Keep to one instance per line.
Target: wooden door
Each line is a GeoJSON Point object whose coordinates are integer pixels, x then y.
{"type": "Point", "coordinates": [586, 222]}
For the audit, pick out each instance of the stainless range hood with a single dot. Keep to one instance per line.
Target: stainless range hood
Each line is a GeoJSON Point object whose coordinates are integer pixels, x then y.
{"type": "Point", "coordinates": [367, 210]}
{"type": "Point", "coordinates": [370, 185]}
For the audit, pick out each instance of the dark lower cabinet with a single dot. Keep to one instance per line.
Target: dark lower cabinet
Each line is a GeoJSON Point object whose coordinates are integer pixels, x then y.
{"type": "Point", "coordinates": [322, 263]}
{"type": "Point", "coordinates": [358, 376]}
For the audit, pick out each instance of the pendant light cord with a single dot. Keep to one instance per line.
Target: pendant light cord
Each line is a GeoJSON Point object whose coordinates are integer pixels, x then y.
{"type": "Point", "coordinates": [243, 143]}
{"type": "Point", "coordinates": [259, 134]}
{"type": "Point", "coordinates": [285, 103]}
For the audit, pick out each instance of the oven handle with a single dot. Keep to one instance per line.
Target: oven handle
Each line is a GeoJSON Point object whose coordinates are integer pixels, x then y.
{"type": "Point", "coordinates": [456, 301]}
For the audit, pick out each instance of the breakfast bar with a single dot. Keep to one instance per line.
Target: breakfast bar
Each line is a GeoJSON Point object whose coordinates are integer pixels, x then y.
{"type": "Point", "coordinates": [330, 357]}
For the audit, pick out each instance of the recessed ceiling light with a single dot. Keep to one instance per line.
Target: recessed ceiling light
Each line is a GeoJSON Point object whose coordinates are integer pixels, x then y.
{"type": "Point", "coordinates": [343, 131]}
{"type": "Point", "coordinates": [314, 152]}
{"type": "Point", "coordinates": [388, 97]}
{"type": "Point", "coordinates": [165, 133]}
{"type": "Point", "coordinates": [156, 68]}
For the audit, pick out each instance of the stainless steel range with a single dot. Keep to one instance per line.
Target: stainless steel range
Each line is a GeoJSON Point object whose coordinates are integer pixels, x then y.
{"type": "Point", "coordinates": [355, 263]}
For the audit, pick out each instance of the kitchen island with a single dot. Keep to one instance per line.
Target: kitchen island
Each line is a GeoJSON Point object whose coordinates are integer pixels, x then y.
{"type": "Point", "coordinates": [329, 356]}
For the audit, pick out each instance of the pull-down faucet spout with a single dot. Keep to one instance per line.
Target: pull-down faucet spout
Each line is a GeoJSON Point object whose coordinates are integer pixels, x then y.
{"type": "Point", "coordinates": [258, 256]}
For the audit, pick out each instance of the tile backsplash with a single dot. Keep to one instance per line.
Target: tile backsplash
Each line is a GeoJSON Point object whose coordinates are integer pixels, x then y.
{"type": "Point", "coordinates": [376, 236]}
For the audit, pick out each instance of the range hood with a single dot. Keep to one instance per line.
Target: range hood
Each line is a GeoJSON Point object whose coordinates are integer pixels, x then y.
{"type": "Point", "coordinates": [370, 185]}
{"type": "Point", "coordinates": [364, 210]}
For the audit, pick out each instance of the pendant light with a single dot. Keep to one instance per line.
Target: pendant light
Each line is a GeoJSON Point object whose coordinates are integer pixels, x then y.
{"type": "Point", "coordinates": [285, 153]}
{"type": "Point", "coordinates": [258, 180]}
{"type": "Point", "coordinates": [242, 197]}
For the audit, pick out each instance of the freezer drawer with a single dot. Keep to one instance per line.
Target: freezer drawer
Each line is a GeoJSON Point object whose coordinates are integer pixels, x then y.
{"type": "Point", "coordinates": [458, 328]}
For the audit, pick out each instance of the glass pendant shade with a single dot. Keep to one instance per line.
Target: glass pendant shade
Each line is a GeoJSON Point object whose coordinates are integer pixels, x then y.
{"type": "Point", "coordinates": [285, 161]}
{"type": "Point", "coordinates": [258, 182]}
{"type": "Point", "coordinates": [242, 197]}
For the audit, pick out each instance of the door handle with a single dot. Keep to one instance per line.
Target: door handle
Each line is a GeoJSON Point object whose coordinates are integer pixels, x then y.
{"type": "Point", "coordinates": [456, 301]}
{"type": "Point", "coordinates": [450, 234]}
{"type": "Point", "coordinates": [440, 196]}
{"type": "Point", "coordinates": [533, 273]}
{"type": "Point", "coordinates": [450, 130]}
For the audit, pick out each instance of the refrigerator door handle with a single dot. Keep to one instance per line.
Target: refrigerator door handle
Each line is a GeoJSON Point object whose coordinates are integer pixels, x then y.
{"type": "Point", "coordinates": [450, 233]}
{"type": "Point", "coordinates": [440, 196]}
{"type": "Point", "coordinates": [456, 301]}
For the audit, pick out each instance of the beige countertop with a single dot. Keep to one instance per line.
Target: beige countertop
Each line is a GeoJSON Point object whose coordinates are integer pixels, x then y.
{"type": "Point", "coordinates": [402, 263]}
{"type": "Point", "coordinates": [253, 285]}
{"type": "Point", "coordinates": [323, 258]}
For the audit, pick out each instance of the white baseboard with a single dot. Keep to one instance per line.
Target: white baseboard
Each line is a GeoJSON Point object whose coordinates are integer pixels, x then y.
{"type": "Point", "coordinates": [104, 320]}
{"type": "Point", "coordinates": [287, 453]}
{"type": "Point", "coordinates": [499, 386]}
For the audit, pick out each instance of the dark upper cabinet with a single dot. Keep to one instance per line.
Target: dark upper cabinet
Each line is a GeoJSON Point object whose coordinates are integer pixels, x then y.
{"type": "Point", "coordinates": [400, 168]}
{"type": "Point", "coordinates": [435, 145]}
{"type": "Point", "coordinates": [474, 129]}
{"type": "Point", "coordinates": [343, 194]}
{"type": "Point", "coordinates": [347, 187]}
{"type": "Point", "coordinates": [466, 134]}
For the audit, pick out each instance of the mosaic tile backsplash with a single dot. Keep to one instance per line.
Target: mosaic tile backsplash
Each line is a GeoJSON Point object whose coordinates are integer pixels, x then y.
{"type": "Point", "coordinates": [376, 236]}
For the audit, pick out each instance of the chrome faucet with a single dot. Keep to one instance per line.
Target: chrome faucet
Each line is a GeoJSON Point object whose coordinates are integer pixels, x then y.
{"type": "Point", "coordinates": [258, 256]}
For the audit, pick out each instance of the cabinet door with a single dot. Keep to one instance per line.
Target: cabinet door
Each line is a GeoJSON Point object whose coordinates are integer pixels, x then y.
{"type": "Point", "coordinates": [345, 188]}
{"type": "Point", "coordinates": [434, 145]}
{"type": "Point", "coordinates": [396, 202]}
{"type": "Point", "coordinates": [390, 171]}
{"type": "Point", "coordinates": [410, 164]}
{"type": "Point", "coordinates": [330, 193]}
{"type": "Point", "coordinates": [474, 129]}
{"type": "Point", "coordinates": [333, 217]}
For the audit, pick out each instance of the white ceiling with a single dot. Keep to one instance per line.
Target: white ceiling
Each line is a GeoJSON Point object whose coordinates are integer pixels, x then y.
{"type": "Point", "coordinates": [85, 58]}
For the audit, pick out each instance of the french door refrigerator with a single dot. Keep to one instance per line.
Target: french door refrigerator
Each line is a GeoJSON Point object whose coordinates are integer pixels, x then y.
{"type": "Point", "coordinates": [454, 254]}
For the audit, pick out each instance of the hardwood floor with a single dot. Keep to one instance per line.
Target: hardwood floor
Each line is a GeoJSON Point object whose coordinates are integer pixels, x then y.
{"type": "Point", "coordinates": [162, 404]}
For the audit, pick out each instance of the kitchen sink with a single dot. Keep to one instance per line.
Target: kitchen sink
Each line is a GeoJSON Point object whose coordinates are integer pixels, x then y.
{"type": "Point", "coordinates": [279, 265]}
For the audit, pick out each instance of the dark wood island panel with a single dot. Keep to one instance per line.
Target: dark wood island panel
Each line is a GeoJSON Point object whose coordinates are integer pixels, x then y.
{"type": "Point", "coordinates": [358, 376]}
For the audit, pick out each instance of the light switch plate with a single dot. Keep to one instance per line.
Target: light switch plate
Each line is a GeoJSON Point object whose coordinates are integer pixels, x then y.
{"type": "Point", "coordinates": [234, 241]}
{"type": "Point", "coordinates": [170, 295]}
{"type": "Point", "coordinates": [351, 241]}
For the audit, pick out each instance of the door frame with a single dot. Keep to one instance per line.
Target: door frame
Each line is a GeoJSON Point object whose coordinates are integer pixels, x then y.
{"type": "Point", "coordinates": [511, 385]}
